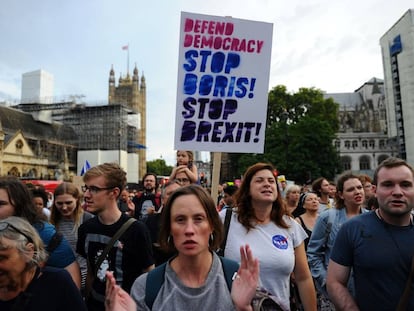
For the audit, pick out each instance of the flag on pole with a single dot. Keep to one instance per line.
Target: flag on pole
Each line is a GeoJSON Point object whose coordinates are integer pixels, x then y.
{"type": "Point", "coordinates": [125, 47]}
{"type": "Point", "coordinates": [85, 167]}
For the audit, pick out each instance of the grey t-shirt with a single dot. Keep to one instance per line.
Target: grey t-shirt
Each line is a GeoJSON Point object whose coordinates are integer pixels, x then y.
{"type": "Point", "coordinates": [174, 295]}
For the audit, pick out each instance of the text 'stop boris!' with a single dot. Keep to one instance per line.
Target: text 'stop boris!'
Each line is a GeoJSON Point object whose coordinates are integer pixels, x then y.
{"type": "Point", "coordinates": [223, 83]}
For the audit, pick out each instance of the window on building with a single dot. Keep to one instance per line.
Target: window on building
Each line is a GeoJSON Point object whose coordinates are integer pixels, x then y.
{"type": "Point", "coordinates": [347, 144]}
{"type": "Point", "coordinates": [19, 146]}
{"type": "Point", "coordinates": [381, 158]}
{"type": "Point", "coordinates": [337, 144]}
{"type": "Point", "coordinates": [354, 144]}
{"type": "Point", "coordinates": [364, 163]}
{"type": "Point", "coordinates": [365, 144]}
{"type": "Point", "coordinates": [372, 143]}
{"type": "Point", "coordinates": [346, 163]}
{"type": "Point", "coordinates": [14, 172]}
{"type": "Point", "coordinates": [382, 144]}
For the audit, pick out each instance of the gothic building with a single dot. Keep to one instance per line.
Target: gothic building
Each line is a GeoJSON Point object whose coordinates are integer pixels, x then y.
{"type": "Point", "coordinates": [362, 140]}
{"type": "Point", "coordinates": [131, 92]}
{"type": "Point", "coordinates": [115, 132]}
{"type": "Point", "coordinates": [34, 149]}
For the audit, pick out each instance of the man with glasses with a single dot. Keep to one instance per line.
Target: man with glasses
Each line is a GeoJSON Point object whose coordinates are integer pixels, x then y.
{"type": "Point", "coordinates": [182, 178]}
{"type": "Point", "coordinates": [147, 201]}
{"type": "Point", "coordinates": [131, 254]}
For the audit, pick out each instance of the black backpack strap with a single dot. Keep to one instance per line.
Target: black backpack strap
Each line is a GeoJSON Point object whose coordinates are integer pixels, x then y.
{"type": "Point", "coordinates": [155, 279]}
{"type": "Point", "coordinates": [111, 243]}
{"type": "Point", "coordinates": [229, 268]}
{"type": "Point", "coordinates": [54, 242]}
{"type": "Point", "coordinates": [227, 220]}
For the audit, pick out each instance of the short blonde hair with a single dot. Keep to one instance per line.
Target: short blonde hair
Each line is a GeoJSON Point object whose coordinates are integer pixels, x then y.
{"type": "Point", "coordinates": [114, 175]}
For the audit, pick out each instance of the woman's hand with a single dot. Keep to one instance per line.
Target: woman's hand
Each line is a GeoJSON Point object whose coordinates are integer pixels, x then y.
{"type": "Point", "coordinates": [245, 283]}
{"type": "Point", "coordinates": [116, 298]}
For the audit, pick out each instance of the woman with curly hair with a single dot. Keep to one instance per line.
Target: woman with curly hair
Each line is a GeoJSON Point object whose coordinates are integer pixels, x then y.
{"type": "Point", "coordinates": [276, 239]}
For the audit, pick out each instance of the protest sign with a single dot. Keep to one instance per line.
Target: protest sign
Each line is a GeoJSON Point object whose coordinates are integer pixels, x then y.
{"type": "Point", "coordinates": [223, 84]}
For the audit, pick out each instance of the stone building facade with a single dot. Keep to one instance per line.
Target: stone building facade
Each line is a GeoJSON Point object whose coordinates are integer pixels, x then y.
{"type": "Point", "coordinates": [115, 132]}
{"type": "Point", "coordinates": [362, 140]}
{"type": "Point", "coordinates": [35, 150]}
{"type": "Point", "coordinates": [131, 92]}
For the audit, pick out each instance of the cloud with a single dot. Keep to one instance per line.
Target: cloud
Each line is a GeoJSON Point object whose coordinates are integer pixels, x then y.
{"type": "Point", "coordinates": [331, 45]}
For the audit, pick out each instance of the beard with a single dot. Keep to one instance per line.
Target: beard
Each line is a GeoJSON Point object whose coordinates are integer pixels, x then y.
{"type": "Point", "coordinates": [149, 189]}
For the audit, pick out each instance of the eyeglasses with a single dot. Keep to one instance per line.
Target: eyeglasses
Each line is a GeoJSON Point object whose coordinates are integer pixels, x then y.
{"type": "Point", "coordinates": [182, 180]}
{"type": "Point", "coordinates": [5, 225]}
{"type": "Point", "coordinates": [94, 189]}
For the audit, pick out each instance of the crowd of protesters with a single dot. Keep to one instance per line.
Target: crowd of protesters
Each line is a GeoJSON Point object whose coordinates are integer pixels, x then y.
{"type": "Point", "coordinates": [343, 245]}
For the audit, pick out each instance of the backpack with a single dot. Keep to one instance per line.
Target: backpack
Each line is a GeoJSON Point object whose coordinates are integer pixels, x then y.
{"type": "Point", "coordinates": [265, 301]}
{"type": "Point", "coordinates": [262, 301]}
{"type": "Point", "coordinates": [155, 279]}
{"type": "Point", "coordinates": [54, 242]}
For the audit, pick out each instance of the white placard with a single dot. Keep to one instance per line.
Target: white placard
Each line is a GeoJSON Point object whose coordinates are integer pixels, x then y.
{"type": "Point", "coordinates": [223, 84]}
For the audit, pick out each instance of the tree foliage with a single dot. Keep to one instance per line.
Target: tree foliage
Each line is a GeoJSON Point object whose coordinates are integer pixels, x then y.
{"type": "Point", "coordinates": [159, 167]}
{"type": "Point", "coordinates": [300, 131]}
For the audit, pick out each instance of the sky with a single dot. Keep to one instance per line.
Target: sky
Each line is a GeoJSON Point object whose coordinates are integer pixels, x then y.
{"type": "Point", "coordinates": [329, 45]}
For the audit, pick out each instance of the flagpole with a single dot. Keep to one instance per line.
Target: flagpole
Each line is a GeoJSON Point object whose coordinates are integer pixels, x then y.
{"type": "Point", "coordinates": [128, 60]}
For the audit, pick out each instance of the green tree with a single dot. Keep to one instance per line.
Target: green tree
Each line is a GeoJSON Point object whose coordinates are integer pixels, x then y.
{"type": "Point", "coordinates": [159, 167]}
{"type": "Point", "coordinates": [299, 135]}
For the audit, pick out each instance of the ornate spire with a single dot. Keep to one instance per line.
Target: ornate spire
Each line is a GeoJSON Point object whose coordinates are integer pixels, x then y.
{"type": "Point", "coordinates": [135, 76]}
{"type": "Point", "coordinates": [112, 74]}
{"type": "Point", "coordinates": [143, 81]}
{"type": "Point", "coordinates": [375, 88]}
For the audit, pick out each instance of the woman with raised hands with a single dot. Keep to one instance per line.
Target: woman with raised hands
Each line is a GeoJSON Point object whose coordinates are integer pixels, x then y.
{"type": "Point", "coordinates": [196, 278]}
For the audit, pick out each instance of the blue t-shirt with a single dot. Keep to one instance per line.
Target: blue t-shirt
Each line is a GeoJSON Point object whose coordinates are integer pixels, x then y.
{"type": "Point", "coordinates": [380, 255]}
{"type": "Point", "coordinates": [62, 256]}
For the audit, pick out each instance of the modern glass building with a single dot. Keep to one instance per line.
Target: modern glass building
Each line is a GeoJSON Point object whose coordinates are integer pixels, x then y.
{"type": "Point", "coordinates": [397, 47]}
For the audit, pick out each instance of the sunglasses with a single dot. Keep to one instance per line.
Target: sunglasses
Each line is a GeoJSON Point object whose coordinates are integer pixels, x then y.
{"type": "Point", "coordinates": [5, 225]}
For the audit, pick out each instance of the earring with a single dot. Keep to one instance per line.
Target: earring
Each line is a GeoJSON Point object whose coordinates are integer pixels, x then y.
{"type": "Point", "coordinates": [212, 237]}
{"type": "Point", "coordinates": [169, 239]}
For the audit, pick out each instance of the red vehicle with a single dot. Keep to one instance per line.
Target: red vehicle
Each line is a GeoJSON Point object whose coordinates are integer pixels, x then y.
{"type": "Point", "coordinates": [49, 185]}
